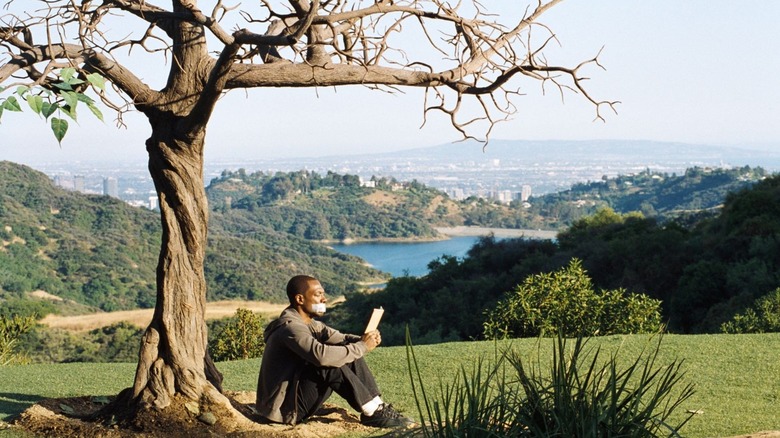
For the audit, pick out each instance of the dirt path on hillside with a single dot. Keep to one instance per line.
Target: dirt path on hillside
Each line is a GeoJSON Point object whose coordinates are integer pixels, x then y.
{"type": "Point", "coordinates": [142, 317]}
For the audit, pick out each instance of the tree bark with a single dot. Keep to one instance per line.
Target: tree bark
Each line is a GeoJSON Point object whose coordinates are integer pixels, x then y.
{"type": "Point", "coordinates": [173, 358]}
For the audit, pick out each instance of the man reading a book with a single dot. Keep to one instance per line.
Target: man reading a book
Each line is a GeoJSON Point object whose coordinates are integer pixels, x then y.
{"type": "Point", "coordinates": [305, 361]}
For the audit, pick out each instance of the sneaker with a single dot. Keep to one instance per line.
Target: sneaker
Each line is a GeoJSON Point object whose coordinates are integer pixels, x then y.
{"type": "Point", "coordinates": [387, 417]}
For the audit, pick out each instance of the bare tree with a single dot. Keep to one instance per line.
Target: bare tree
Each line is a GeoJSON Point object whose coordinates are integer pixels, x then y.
{"type": "Point", "coordinates": [457, 51]}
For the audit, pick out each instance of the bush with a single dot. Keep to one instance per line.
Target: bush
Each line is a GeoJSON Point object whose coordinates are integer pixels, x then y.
{"type": "Point", "coordinates": [240, 337]}
{"type": "Point", "coordinates": [11, 328]}
{"type": "Point", "coordinates": [762, 317]}
{"type": "Point", "coordinates": [119, 342]}
{"type": "Point", "coordinates": [582, 396]}
{"type": "Point", "coordinates": [25, 307]}
{"type": "Point", "coordinates": [565, 301]}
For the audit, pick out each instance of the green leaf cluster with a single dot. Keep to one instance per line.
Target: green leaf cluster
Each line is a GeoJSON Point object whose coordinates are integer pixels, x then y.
{"type": "Point", "coordinates": [705, 272]}
{"type": "Point", "coordinates": [62, 98]}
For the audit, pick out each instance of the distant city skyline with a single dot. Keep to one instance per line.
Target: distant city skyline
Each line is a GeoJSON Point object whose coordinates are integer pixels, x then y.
{"type": "Point", "coordinates": [514, 169]}
{"type": "Point", "coordinates": [699, 71]}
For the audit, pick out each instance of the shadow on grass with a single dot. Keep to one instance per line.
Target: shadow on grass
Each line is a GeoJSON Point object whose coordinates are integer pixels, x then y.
{"type": "Point", "coordinates": [13, 404]}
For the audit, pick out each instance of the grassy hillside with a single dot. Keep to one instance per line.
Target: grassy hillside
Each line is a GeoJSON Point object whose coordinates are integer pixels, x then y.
{"type": "Point", "coordinates": [735, 376]}
{"type": "Point", "coordinates": [99, 252]}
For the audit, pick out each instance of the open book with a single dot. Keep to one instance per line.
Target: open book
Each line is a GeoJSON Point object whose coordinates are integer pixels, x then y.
{"type": "Point", "coordinates": [373, 322]}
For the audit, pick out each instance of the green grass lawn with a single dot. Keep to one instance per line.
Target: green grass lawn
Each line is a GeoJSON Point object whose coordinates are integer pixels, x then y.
{"type": "Point", "coordinates": [737, 377]}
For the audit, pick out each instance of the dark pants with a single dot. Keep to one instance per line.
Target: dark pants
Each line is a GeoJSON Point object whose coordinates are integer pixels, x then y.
{"type": "Point", "coordinates": [353, 382]}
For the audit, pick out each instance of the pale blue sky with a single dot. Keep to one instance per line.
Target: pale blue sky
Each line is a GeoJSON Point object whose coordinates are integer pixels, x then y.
{"type": "Point", "coordinates": [695, 71]}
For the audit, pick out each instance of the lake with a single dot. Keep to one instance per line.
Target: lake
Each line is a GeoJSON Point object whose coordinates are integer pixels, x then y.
{"type": "Point", "coordinates": [412, 258]}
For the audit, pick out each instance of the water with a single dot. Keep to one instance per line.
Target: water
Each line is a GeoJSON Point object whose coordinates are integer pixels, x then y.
{"type": "Point", "coordinates": [410, 258]}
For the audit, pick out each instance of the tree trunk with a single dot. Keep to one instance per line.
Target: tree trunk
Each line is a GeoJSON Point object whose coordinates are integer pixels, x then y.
{"type": "Point", "coordinates": [173, 357]}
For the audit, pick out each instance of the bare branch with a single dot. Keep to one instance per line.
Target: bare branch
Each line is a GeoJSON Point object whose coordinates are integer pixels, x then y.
{"type": "Point", "coordinates": [303, 43]}
{"type": "Point", "coordinates": [207, 21]}
{"type": "Point", "coordinates": [70, 55]}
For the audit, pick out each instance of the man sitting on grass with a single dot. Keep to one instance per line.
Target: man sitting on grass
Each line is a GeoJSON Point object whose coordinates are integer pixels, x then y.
{"type": "Point", "coordinates": [305, 361]}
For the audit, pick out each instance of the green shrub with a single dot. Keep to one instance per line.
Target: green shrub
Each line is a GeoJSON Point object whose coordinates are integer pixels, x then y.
{"type": "Point", "coordinates": [582, 396]}
{"type": "Point", "coordinates": [241, 337]}
{"type": "Point", "coordinates": [26, 307]}
{"type": "Point", "coordinates": [11, 328]}
{"type": "Point", "coordinates": [119, 342]}
{"type": "Point", "coordinates": [762, 317]}
{"type": "Point", "coordinates": [565, 301]}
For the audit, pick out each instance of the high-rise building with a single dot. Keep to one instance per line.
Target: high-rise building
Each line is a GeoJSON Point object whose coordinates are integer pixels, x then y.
{"type": "Point", "coordinates": [525, 192]}
{"type": "Point", "coordinates": [110, 187]}
{"type": "Point", "coordinates": [503, 196]}
{"type": "Point", "coordinates": [63, 181]}
{"type": "Point", "coordinates": [457, 194]}
{"type": "Point", "coordinates": [78, 183]}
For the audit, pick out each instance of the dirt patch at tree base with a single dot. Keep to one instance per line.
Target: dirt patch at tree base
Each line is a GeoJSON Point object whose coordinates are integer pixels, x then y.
{"type": "Point", "coordinates": [74, 417]}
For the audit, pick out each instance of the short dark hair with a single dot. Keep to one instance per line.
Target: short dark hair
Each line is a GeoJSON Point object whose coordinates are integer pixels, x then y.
{"type": "Point", "coordinates": [298, 285]}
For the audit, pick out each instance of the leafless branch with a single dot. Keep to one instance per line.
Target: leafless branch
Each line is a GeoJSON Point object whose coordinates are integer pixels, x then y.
{"type": "Point", "coordinates": [461, 51]}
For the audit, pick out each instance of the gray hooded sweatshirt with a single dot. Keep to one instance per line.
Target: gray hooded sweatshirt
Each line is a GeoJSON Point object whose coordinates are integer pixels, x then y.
{"type": "Point", "coordinates": [289, 344]}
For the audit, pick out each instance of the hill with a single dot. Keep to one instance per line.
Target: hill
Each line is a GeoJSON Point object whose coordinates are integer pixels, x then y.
{"type": "Point", "coordinates": [342, 207]}
{"type": "Point", "coordinates": [547, 166]}
{"type": "Point", "coordinates": [332, 206]}
{"type": "Point", "coordinates": [655, 194]}
{"type": "Point", "coordinates": [704, 272]}
{"type": "Point", "coordinates": [99, 252]}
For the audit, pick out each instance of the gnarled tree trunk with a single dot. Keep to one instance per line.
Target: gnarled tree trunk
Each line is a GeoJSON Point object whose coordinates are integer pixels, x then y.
{"type": "Point", "coordinates": [173, 357]}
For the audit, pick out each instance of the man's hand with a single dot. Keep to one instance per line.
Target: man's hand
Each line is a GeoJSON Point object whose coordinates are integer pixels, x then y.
{"type": "Point", "coordinates": [372, 339]}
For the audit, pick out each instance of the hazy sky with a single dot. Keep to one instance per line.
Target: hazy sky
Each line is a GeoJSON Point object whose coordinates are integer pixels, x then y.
{"type": "Point", "coordinates": [695, 71]}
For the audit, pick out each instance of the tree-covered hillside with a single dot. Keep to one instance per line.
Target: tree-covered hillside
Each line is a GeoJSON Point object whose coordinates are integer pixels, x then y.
{"type": "Point", "coordinates": [100, 252]}
{"type": "Point", "coordinates": [338, 207]}
{"type": "Point", "coordinates": [698, 191]}
{"type": "Point", "coordinates": [704, 273]}
{"type": "Point", "coordinates": [654, 194]}
{"type": "Point", "coordinates": [332, 206]}
{"type": "Point", "coordinates": [94, 250]}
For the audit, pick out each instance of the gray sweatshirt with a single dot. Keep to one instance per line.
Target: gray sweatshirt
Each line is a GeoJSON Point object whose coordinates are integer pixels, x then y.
{"type": "Point", "coordinates": [289, 344]}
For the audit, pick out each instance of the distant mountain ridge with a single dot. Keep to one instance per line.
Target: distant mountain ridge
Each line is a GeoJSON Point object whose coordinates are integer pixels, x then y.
{"type": "Point", "coordinates": [545, 166]}
{"type": "Point", "coordinates": [567, 150]}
